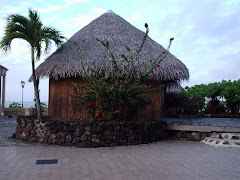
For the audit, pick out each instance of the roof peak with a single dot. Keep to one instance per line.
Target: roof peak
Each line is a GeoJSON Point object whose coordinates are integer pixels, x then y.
{"type": "Point", "coordinates": [110, 11]}
{"type": "Point", "coordinates": [116, 30]}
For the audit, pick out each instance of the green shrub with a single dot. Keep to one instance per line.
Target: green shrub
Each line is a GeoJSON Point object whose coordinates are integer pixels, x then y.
{"type": "Point", "coordinates": [34, 109]}
{"type": "Point", "coordinates": [215, 107]}
{"type": "Point", "coordinates": [183, 104]}
{"type": "Point", "coordinates": [15, 105]}
{"type": "Point", "coordinates": [228, 92]}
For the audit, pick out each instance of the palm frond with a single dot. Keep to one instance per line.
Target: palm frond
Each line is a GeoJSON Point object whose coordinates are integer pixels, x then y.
{"type": "Point", "coordinates": [17, 19]}
{"type": "Point", "coordinates": [34, 17]}
{"type": "Point", "coordinates": [52, 34]}
{"type": "Point", "coordinates": [13, 27]}
{"type": "Point", "coordinates": [38, 50]}
{"type": "Point", "coordinates": [6, 41]}
{"type": "Point", "coordinates": [48, 44]}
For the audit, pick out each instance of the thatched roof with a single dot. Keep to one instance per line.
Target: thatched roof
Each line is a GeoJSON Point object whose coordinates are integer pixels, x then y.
{"type": "Point", "coordinates": [174, 87]}
{"type": "Point", "coordinates": [65, 62]}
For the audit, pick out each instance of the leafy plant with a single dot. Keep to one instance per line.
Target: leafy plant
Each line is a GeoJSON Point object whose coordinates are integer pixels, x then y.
{"type": "Point", "coordinates": [231, 93]}
{"type": "Point", "coordinates": [117, 98]}
{"type": "Point", "coordinates": [219, 94]}
{"type": "Point", "coordinates": [213, 90]}
{"type": "Point", "coordinates": [147, 125]}
{"type": "Point", "coordinates": [34, 109]}
{"type": "Point", "coordinates": [15, 105]}
{"type": "Point", "coordinates": [215, 107]}
{"type": "Point", "coordinates": [183, 104]}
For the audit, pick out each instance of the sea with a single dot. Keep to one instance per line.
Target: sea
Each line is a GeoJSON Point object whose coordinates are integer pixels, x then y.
{"type": "Point", "coordinates": [26, 104]}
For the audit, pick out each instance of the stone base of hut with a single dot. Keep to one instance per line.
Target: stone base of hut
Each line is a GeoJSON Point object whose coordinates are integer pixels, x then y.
{"type": "Point", "coordinates": [89, 134]}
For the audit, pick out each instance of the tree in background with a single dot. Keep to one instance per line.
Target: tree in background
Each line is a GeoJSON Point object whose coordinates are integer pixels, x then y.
{"type": "Point", "coordinates": [213, 90]}
{"type": "Point", "coordinates": [213, 93]}
{"type": "Point", "coordinates": [231, 93]}
{"type": "Point", "coordinates": [32, 30]}
{"type": "Point", "coordinates": [192, 99]}
{"type": "Point", "coordinates": [179, 104]}
{"type": "Point", "coordinates": [197, 95]}
{"type": "Point", "coordinates": [197, 90]}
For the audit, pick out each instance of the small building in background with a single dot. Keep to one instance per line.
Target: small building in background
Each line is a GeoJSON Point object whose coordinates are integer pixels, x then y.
{"type": "Point", "coordinates": [3, 72]}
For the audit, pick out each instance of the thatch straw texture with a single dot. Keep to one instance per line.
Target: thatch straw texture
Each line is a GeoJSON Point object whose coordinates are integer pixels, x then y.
{"type": "Point", "coordinates": [65, 62]}
{"type": "Point", "coordinates": [174, 87]}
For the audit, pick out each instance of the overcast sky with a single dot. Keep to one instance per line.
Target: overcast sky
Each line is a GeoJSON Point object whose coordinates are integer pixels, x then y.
{"type": "Point", "coordinates": [206, 32]}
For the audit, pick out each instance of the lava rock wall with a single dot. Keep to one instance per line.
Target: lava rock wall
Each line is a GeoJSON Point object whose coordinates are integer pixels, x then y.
{"type": "Point", "coordinates": [89, 134]}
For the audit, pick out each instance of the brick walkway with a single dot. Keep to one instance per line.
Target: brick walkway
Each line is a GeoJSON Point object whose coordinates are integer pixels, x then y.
{"type": "Point", "coordinates": [7, 128]}
{"type": "Point", "coordinates": [163, 160]}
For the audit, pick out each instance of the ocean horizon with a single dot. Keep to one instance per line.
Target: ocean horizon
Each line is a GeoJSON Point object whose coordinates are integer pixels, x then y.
{"type": "Point", "coordinates": [26, 104]}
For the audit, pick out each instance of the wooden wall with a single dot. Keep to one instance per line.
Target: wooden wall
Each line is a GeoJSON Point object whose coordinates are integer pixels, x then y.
{"type": "Point", "coordinates": [63, 106]}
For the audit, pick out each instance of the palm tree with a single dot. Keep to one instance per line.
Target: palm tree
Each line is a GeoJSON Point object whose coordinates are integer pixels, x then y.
{"type": "Point", "coordinates": [31, 30]}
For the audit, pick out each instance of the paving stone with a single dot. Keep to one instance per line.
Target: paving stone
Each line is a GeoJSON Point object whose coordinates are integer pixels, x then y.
{"type": "Point", "coordinates": [161, 160]}
{"type": "Point", "coordinates": [7, 129]}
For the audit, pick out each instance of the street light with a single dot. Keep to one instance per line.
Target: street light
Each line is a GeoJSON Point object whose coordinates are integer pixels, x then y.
{"type": "Point", "coordinates": [22, 83]}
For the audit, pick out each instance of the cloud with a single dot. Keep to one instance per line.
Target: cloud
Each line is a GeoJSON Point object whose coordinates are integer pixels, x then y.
{"type": "Point", "coordinates": [12, 9]}
{"type": "Point", "coordinates": [98, 10]}
{"type": "Point", "coordinates": [15, 75]}
{"type": "Point", "coordinates": [226, 67]}
{"type": "Point", "coordinates": [18, 52]}
{"type": "Point", "coordinates": [2, 27]}
{"type": "Point", "coordinates": [205, 39]}
{"type": "Point", "coordinates": [52, 8]}
{"type": "Point", "coordinates": [135, 17]}
{"type": "Point", "coordinates": [78, 21]}
{"type": "Point", "coordinates": [75, 1]}
{"type": "Point", "coordinates": [51, 19]}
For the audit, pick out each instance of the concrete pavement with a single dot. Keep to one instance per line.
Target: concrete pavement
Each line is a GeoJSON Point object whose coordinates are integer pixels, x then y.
{"type": "Point", "coordinates": [162, 160]}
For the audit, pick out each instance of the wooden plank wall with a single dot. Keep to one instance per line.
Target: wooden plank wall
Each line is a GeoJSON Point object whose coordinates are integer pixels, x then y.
{"type": "Point", "coordinates": [63, 106]}
{"type": "Point", "coordinates": [152, 111]}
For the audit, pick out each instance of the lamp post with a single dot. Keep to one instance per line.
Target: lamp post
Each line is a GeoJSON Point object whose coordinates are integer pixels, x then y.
{"type": "Point", "coordinates": [22, 83]}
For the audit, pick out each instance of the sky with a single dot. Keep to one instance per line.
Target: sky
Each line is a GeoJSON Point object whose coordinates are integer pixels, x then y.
{"type": "Point", "coordinates": [206, 35]}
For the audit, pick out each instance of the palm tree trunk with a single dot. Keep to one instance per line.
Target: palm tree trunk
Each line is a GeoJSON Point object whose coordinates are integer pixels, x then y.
{"type": "Point", "coordinates": [35, 83]}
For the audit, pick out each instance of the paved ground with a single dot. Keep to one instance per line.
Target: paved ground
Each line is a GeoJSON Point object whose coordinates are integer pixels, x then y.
{"type": "Point", "coordinates": [220, 122]}
{"type": "Point", "coordinates": [7, 128]}
{"type": "Point", "coordinates": [163, 160]}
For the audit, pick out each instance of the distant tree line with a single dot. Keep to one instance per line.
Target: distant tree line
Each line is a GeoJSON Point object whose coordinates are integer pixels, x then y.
{"type": "Point", "coordinates": [213, 98]}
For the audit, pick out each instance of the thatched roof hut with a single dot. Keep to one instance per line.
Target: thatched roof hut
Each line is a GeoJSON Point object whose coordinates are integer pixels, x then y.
{"type": "Point", "coordinates": [63, 66]}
